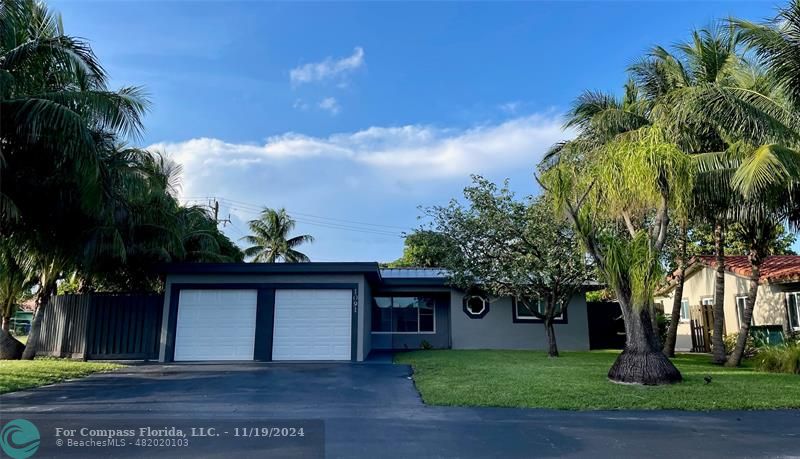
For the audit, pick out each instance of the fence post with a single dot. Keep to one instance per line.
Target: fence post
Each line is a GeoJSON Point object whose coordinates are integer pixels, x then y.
{"type": "Point", "coordinates": [86, 319]}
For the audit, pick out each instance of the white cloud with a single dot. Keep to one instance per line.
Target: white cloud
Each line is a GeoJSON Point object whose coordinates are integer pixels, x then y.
{"type": "Point", "coordinates": [412, 153]}
{"type": "Point", "coordinates": [327, 68]}
{"type": "Point", "coordinates": [510, 108]}
{"type": "Point", "coordinates": [330, 105]}
{"type": "Point", "coordinates": [299, 104]}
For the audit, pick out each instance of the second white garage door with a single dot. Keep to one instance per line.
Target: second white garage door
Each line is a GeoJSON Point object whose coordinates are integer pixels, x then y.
{"type": "Point", "coordinates": [312, 324]}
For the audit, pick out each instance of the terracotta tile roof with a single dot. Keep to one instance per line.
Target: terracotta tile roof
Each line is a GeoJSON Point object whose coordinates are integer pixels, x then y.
{"type": "Point", "coordinates": [28, 305]}
{"type": "Point", "coordinates": [777, 268]}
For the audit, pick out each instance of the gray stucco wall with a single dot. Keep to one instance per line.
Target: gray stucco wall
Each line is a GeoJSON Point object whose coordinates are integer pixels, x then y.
{"type": "Point", "coordinates": [497, 330]}
{"type": "Point", "coordinates": [367, 325]}
{"type": "Point", "coordinates": [266, 279]}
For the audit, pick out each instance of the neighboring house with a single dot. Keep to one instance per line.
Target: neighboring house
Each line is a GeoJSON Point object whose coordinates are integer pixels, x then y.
{"type": "Point", "coordinates": [340, 311]}
{"type": "Point", "coordinates": [778, 298]}
{"type": "Point", "coordinates": [21, 322]}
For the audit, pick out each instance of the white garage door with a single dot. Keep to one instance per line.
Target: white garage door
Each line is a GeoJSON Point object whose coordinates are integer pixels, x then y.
{"type": "Point", "coordinates": [312, 324]}
{"type": "Point", "coordinates": [216, 325]}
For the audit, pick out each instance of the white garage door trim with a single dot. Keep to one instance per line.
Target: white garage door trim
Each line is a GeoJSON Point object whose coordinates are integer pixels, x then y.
{"type": "Point", "coordinates": [312, 324]}
{"type": "Point", "coordinates": [215, 324]}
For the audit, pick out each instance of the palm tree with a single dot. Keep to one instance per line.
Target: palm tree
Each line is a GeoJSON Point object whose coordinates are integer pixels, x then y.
{"type": "Point", "coordinates": [619, 182]}
{"type": "Point", "coordinates": [55, 102]}
{"type": "Point", "coordinates": [270, 239]}
{"type": "Point", "coordinates": [670, 83]}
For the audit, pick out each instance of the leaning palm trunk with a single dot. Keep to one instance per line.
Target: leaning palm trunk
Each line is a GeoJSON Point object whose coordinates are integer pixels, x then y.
{"type": "Point", "coordinates": [675, 315]}
{"type": "Point", "coordinates": [42, 297]}
{"type": "Point", "coordinates": [747, 315]}
{"type": "Point", "coordinates": [717, 338]}
{"type": "Point", "coordinates": [641, 361]}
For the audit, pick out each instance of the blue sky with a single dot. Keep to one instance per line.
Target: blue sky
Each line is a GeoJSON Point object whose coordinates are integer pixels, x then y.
{"type": "Point", "coordinates": [351, 115]}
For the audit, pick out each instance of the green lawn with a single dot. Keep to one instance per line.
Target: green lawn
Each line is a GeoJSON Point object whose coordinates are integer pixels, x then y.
{"type": "Point", "coordinates": [577, 381]}
{"type": "Point", "coordinates": [23, 374]}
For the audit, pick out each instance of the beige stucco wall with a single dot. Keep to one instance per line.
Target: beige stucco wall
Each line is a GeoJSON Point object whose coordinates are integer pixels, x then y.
{"type": "Point", "coordinates": [769, 310]}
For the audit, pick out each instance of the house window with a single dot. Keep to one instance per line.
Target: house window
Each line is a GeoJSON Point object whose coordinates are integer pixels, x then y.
{"type": "Point", "coordinates": [476, 305]}
{"type": "Point", "coordinates": [522, 311]}
{"type": "Point", "coordinates": [741, 303]}
{"type": "Point", "coordinates": [685, 310]}
{"type": "Point", "coordinates": [793, 303]}
{"type": "Point", "coordinates": [403, 314]}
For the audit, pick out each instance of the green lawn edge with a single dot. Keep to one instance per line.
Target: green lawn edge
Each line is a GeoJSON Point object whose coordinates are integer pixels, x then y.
{"type": "Point", "coordinates": [578, 381]}
{"type": "Point", "coordinates": [17, 375]}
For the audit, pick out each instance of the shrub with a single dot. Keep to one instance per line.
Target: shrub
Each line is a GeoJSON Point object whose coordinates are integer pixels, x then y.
{"type": "Point", "coordinates": [425, 345]}
{"type": "Point", "coordinates": [780, 359]}
{"type": "Point", "coordinates": [662, 320]}
{"type": "Point", "coordinates": [750, 348]}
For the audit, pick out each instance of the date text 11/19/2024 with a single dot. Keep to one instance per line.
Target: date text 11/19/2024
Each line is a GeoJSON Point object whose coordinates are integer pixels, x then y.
{"type": "Point", "coordinates": [173, 432]}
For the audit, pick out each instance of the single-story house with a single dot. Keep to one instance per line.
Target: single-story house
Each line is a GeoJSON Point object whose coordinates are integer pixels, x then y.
{"type": "Point", "coordinates": [777, 303]}
{"type": "Point", "coordinates": [340, 311]}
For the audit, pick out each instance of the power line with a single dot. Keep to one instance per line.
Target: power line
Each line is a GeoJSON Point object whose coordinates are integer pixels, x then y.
{"type": "Point", "coordinates": [259, 208]}
{"type": "Point", "coordinates": [332, 225]}
{"type": "Point", "coordinates": [323, 224]}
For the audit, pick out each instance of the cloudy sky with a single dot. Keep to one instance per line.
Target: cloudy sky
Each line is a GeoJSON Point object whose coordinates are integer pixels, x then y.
{"type": "Point", "coordinates": [353, 115]}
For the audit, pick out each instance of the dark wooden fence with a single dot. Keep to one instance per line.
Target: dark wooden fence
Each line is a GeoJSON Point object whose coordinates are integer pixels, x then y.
{"type": "Point", "coordinates": [606, 327]}
{"type": "Point", "coordinates": [102, 326]}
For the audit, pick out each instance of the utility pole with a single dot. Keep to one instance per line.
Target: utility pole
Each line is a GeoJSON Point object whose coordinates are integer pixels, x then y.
{"type": "Point", "coordinates": [215, 208]}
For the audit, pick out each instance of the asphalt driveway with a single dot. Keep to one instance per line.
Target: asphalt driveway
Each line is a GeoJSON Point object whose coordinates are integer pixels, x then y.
{"type": "Point", "coordinates": [373, 410]}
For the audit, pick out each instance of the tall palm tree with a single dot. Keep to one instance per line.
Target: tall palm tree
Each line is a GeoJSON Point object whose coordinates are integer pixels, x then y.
{"type": "Point", "coordinates": [55, 102]}
{"type": "Point", "coordinates": [270, 240]}
{"type": "Point", "coordinates": [670, 82]}
{"type": "Point", "coordinates": [767, 172]}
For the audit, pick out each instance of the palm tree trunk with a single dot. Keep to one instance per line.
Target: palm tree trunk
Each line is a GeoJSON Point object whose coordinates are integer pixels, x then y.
{"type": "Point", "coordinates": [10, 347]}
{"type": "Point", "coordinates": [552, 347]}
{"type": "Point", "coordinates": [717, 341]}
{"type": "Point", "coordinates": [6, 324]}
{"type": "Point", "coordinates": [675, 316]}
{"type": "Point", "coordinates": [42, 297]}
{"type": "Point", "coordinates": [747, 316]}
{"type": "Point", "coordinates": [787, 321]}
{"type": "Point", "coordinates": [641, 361]}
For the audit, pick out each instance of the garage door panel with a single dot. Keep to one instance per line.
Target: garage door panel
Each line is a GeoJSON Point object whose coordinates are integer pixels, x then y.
{"type": "Point", "coordinates": [216, 324]}
{"type": "Point", "coordinates": [312, 324]}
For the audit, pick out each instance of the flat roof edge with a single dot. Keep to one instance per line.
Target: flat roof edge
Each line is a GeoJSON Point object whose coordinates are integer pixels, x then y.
{"type": "Point", "coordinates": [271, 268]}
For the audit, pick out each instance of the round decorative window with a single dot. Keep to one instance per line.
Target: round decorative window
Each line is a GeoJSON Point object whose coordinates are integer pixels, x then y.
{"type": "Point", "coordinates": [476, 306]}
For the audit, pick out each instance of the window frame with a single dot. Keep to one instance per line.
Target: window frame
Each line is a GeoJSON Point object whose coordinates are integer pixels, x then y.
{"type": "Point", "coordinates": [406, 295]}
{"type": "Point", "coordinates": [740, 312]}
{"type": "Point", "coordinates": [486, 305]}
{"type": "Point", "coordinates": [688, 311]}
{"type": "Point", "coordinates": [796, 309]}
{"type": "Point", "coordinates": [517, 319]}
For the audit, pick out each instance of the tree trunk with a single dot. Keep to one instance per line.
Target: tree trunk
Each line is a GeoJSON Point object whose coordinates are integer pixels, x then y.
{"type": "Point", "coordinates": [552, 347]}
{"type": "Point", "coordinates": [6, 324]}
{"type": "Point", "coordinates": [717, 338]}
{"type": "Point", "coordinates": [747, 316]}
{"type": "Point", "coordinates": [42, 297]}
{"type": "Point", "coordinates": [675, 316]}
{"type": "Point", "coordinates": [641, 362]}
{"type": "Point", "coordinates": [787, 321]}
{"type": "Point", "coordinates": [10, 347]}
